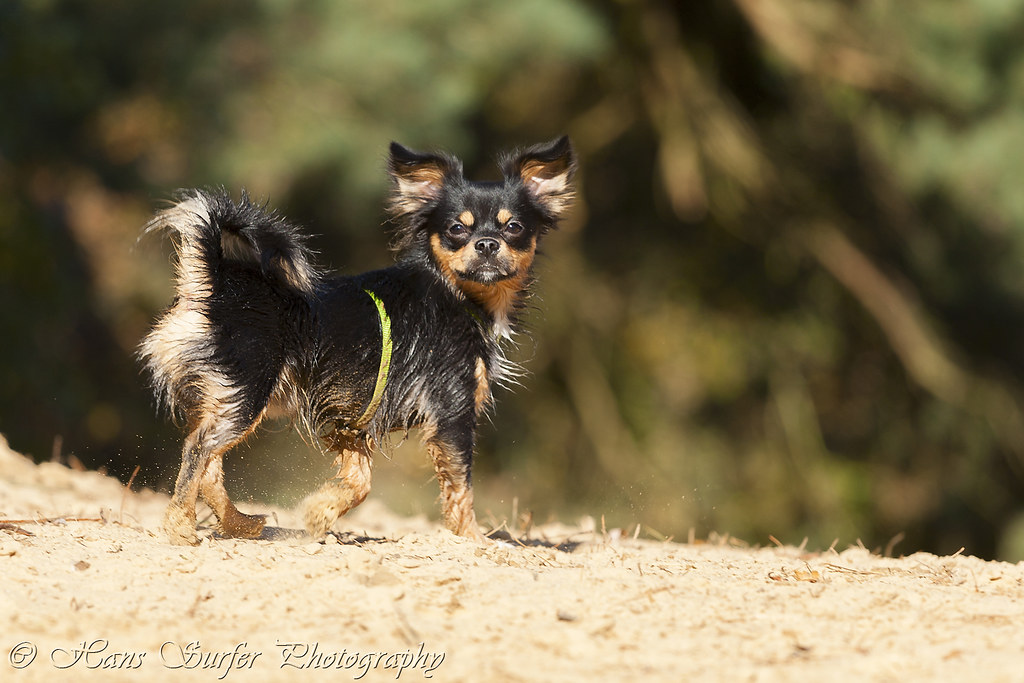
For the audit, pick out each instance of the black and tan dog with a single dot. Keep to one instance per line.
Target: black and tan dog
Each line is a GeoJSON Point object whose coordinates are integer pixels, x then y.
{"type": "Point", "coordinates": [257, 331]}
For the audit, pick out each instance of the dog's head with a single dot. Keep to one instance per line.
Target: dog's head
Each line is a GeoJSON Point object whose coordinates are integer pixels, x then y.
{"type": "Point", "coordinates": [481, 237]}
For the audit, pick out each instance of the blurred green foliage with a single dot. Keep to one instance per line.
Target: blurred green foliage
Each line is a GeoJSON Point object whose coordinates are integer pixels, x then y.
{"type": "Point", "coordinates": [790, 301]}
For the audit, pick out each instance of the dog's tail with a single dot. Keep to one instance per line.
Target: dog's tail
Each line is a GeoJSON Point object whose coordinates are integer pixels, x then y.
{"type": "Point", "coordinates": [213, 229]}
{"type": "Point", "coordinates": [213, 232]}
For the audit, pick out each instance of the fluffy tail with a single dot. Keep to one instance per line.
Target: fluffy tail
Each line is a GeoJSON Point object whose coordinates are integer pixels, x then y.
{"type": "Point", "coordinates": [212, 228]}
{"type": "Point", "coordinates": [212, 231]}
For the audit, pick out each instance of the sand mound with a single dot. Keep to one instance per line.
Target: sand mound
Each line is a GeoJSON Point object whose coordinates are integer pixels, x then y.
{"type": "Point", "coordinates": [90, 587]}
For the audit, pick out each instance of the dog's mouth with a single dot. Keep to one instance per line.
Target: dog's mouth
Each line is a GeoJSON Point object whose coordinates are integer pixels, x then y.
{"type": "Point", "coordinates": [486, 273]}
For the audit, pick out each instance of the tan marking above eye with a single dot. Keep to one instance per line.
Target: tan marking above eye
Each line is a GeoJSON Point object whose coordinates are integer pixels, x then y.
{"type": "Point", "coordinates": [466, 218]}
{"type": "Point", "coordinates": [504, 216]}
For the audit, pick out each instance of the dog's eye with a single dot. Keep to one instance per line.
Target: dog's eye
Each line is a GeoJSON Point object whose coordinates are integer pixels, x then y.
{"type": "Point", "coordinates": [513, 228]}
{"type": "Point", "coordinates": [457, 230]}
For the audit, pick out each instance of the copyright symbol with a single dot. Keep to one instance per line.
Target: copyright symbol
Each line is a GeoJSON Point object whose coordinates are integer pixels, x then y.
{"type": "Point", "coordinates": [22, 654]}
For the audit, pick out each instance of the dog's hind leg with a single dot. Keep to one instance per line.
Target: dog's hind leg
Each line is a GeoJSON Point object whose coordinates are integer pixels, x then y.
{"type": "Point", "coordinates": [202, 473]}
{"type": "Point", "coordinates": [347, 489]}
{"type": "Point", "coordinates": [180, 518]}
{"type": "Point", "coordinates": [232, 522]}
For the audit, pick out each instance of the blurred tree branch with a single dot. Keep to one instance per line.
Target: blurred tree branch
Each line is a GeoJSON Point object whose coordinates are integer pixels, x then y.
{"type": "Point", "coordinates": [831, 49]}
{"type": "Point", "coordinates": [697, 124]}
{"type": "Point", "coordinates": [918, 346]}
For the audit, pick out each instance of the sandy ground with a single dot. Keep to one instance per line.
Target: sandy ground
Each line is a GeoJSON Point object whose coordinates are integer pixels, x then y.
{"type": "Point", "coordinates": [90, 588]}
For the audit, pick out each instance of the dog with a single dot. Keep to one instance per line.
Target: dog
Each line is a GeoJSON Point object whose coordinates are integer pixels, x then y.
{"type": "Point", "coordinates": [258, 331]}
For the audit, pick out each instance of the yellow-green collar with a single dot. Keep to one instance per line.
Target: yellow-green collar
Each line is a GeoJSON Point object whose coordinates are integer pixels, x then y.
{"type": "Point", "coordinates": [383, 369]}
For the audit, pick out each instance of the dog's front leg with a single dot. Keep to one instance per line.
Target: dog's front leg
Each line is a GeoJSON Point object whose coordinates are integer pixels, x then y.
{"type": "Point", "coordinates": [451, 449]}
{"type": "Point", "coordinates": [347, 489]}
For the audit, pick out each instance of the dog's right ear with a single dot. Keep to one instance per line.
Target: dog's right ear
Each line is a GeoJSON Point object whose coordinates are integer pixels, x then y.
{"type": "Point", "coordinates": [418, 178]}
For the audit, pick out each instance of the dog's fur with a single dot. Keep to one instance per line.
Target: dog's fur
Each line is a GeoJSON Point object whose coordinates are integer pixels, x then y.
{"type": "Point", "coordinates": [257, 331]}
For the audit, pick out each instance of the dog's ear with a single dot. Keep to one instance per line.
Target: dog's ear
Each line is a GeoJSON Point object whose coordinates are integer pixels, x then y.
{"type": "Point", "coordinates": [547, 171]}
{"type": "Point", "coordinates": [418, 178]}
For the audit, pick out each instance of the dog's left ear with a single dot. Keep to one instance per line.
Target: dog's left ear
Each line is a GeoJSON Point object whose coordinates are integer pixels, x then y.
{"type": "Point", "coordinates": [418, 178]}
{"type": "Point", "coordinates": [547, 171]}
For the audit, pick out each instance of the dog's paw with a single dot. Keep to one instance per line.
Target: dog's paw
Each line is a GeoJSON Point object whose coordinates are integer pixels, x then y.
{"type": "Point", "coordinates": [474, 534]}
{"type": "Point", "coordinates": [239, 525]}
{"type": "Point", "coordinates": [180, 526]}
{"type": "Point", "coordinates": [320, 511]}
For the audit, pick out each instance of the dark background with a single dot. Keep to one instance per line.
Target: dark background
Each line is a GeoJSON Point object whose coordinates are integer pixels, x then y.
{"type": "Point", "coordinates": [789, 302]}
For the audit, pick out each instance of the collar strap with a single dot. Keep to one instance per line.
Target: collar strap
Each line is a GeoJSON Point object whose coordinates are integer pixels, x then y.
{"type": "Point", "coordinates": [382, 370]}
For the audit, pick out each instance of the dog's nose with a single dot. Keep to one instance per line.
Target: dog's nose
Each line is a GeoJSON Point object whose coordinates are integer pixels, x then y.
{"type": "Point", "coordinates": [487, 246]}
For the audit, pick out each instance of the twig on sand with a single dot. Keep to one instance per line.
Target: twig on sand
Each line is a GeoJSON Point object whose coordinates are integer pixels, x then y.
{"type": "Point", "coordinates": [50, 520]}
{"type": "Point", "coordinates": [124, 495]}
{"type": "Point", "coordinates": [892, 543]}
